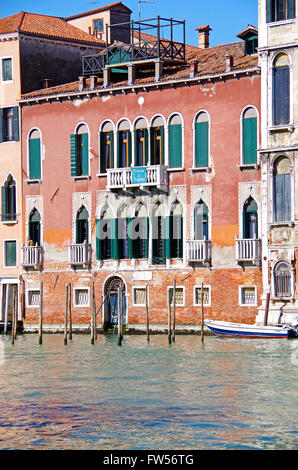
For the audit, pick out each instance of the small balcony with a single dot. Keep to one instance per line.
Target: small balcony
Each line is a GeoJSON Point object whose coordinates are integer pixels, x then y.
{"type": "Point", "coordinates": [79, 254]}
{"type": "Point", "coordinates": [198, 251]}
{"type": "Point", "coordinates": [248, 250]}
{"type": "Point", "coordinates": [32, 257]}
{"type": "Point", "coordinates": [138, 177]}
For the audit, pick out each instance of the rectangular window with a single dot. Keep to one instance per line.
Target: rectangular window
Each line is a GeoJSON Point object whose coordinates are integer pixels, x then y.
{"type": "Point", "coordinates": [281, 95]}
{"type": "Point", "coordinates": [198, 296]}
{"type": "Point", "coordinates": [7, 70]}
{"type": "Point", "coordinates": [9, 124]}
{"type": "Point", "coordinates": [33, 298]}
{"type": "Point", "coordinates": [179, 295]}
{"type": "Point", "coordinates": [280, 10]}
{"type": "Point", "coordinates": [106, 151]}
{"type": "Point", "coordinates": [202, 144]}
{"type": "Point", "coordinates": [81, 297]}
{"type": "Point", "coordinates": [175, 146]}
{"type": "Point", "coordinates": [79, 154]}
{"type": "Point", "coordinates": [10, 253]}
{"type": "Point", "coordinates": [248, 296]}
{"type": "Point", "coordinates": [98, 25]}
{"type": "Point", "coordinates": [139, 296]}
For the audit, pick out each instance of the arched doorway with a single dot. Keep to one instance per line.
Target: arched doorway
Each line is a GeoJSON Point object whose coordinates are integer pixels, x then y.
{"type": "Point", "coordinates": [111, 307]}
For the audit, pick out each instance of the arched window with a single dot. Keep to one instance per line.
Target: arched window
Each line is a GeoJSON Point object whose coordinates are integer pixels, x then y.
{"type": "Point", "coordinates": [201, 221]}
{"type": "Point", "coordinates": [34, 155]}
{"type": "Point", "coordinates": [282, 206]}
{"type": "Point", "coordinates": [79, 150]}
{"type": "Point", "coordinates": [9, 200]}
{"type": "Point", "coordinates": [139, 228]}
{"type": "Point", "coordinates": [176, 231]}
{"type": "Point", "coordinates": [106, 147]}
{"type": "Point", "coordinates": [282, 280]}
{"type": "Point", "coordinates": [250, 219]}
{"type": "Point", "coordinates": [34, 227]}
{"type": "Point", "coordinates": [158, 235]}
{"type": "Point", "coordinates": [202, 140]}
{"type": "Point", "coordinates": [104, 235]}
{"type": "Point", "coordinates": [141, 143]}
{"type": "Point", "coordinates": [281, 90]}
{"type": "Point", "coordinates": [175, 142]}
{"type": "Point", "coordinates": [279, 10]}
{"type": "Point", "coordinates": [82, 226]}
{"type": "Point", "coordinates": [157, 141]}
{"type": "Point", "coordinates": [249, 136]}
{"type": "Point", "coordinates": [124, 144]}
{"type": "Point", "coordinates": [124, 245]}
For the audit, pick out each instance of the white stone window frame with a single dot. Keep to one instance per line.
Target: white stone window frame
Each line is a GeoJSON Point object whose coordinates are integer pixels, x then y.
{"type": "Point", "coordinates": [167, 141]}
{"type": "Point", "coordinates": [32, 289]}
{"type": "Point", "coordinates": [177, 287]}
{"type": "Point", "coordinates": [272, 195]}
{"type": "Point", "coordinates": [31, 203]}
{"type": "Point", "coordinates": [242, 164]}
{"type": "Point", "coordinates": [84, 177]}
{"type": "Point", "coordinates": [100, 130]}
{"type": "Point", "coordinates": [241, 288]}
{"type": "Point", "coordinates": [134, 288]}
{"type": "Point", "coordinates": [194, 167]}
{"type": "Point", "coordinates": [4, 253]}
{"type": "Point", "coordinates": [81, 288]}
{"type": "Point", "coordinates": [42, 156]}
{"type": "Point", "coordinates": [1, 71]}
{"type": "Point", "coordinates": [12, 222]}
{"type": "Point", "coordinates": [209, 295]}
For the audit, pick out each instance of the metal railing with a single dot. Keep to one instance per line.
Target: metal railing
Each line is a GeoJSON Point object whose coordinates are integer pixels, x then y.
{"type": "Point", "coordinates": [156, 175]}
{"type": "Point", "coordinates": [79, 254]}
{"type": "Point", "coordinates": [198, 250]}
{"type": "Point", "coordinates": [32, 256]}
{"type": "Point", "coordinates": [248, 250]}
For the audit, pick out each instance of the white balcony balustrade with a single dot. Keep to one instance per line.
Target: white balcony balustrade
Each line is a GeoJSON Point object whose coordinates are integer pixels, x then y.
{"type": "Point", "coordinates": [137, 177]}
{"type": "Point", "coordinates": [248, 250]}
{"type": "Point", "coordinates": [198, 251]}
{"type": "Point", "coordinates": [32, 256]}
{"type": "Point", "coordinates": [79, 254]}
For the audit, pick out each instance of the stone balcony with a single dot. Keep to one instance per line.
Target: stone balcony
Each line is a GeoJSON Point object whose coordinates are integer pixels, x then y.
{"type": "Point", "coordinates": [248, 250]}
{"type": "Point", "coordinates": [79, 254]}
{"type": "Point", "coordinates": [198, 251]}
{"type": "Point", "coordinates": [32, 257]}
{"type": "Point", "coordinates": [138, 177]}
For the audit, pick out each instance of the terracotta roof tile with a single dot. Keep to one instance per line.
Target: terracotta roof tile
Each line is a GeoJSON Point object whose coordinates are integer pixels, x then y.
{"type": "Point", "coordinates": [43, 25]}
{"type": "Point", "coordinates": [96, 10]}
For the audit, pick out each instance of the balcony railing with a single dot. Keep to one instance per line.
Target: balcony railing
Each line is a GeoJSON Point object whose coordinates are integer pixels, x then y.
{"type": "Point", "coordinates": [137, 177]}
{"type": "Point", "coordinates": [79, 254]}
{"type": "Point", "coordinates": [198, 251]}
{"type": "Point", "coordinates": [32, 256]}
{"type": "Point", "coordinates": [248, 250]}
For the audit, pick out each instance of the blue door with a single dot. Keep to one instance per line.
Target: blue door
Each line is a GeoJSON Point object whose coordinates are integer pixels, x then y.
{"type": "Point", "coordinates": [113, 308]}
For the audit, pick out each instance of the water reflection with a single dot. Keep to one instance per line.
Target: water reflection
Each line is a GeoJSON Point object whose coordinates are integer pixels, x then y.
{"type": "Point", "coordinates": [222, 394]}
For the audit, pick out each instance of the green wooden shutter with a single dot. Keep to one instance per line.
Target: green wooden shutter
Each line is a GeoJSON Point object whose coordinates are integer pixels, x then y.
{"type": "Point", "coordinates": [10, 253]}
{"type": "Point", "coordinates": [74, 154]}
{"type": "Point", "coordinates": [1, 125]}
{"type": "Point", "coordinates": [146, 237]}
{"type": "Point", "coordinates": [130, 241]}
{"type": "Point", "coordinates": [3, 204]}
{"type": "Point", "coordinates": [112, 148]}
{"type": "Point", "coordinates": [99, 254]}
{"type": "Point", "coordinates": [114, 239]}
{"type": "Point", "coordinates": [179, 221]}
{"type": "Point", "coordinates": [202, 144]}
{"type": "Point", "coordinates": [269, 11]}
{"type": "Point", "coordinates": [162, 137]}
{"type": "Point", "coordinates": [85, 154]}
{"type": "Point", "coordinates": [175, 146]}
{"type": "Point", "coordinates": [168, 237]}
{"type": "Point", "coordinates": [250, 141]}
{"type": "Point", "coordinates": [102, 155]}
{"type": "Point", "coordinates": [291, 9]}
{"type": "Point", "coordinates": [34, 159]}
{"type": "Point", "coordinates": [15, 121]}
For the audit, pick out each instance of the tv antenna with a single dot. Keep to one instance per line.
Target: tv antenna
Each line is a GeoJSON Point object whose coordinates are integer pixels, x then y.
{"type": "Point", "coordinates": [94, 3]}
{"type": "Point", "coordinates": [140, 3]}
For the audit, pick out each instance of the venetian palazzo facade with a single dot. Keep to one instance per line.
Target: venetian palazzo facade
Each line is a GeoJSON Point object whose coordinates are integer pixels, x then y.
{"type": "Point", "coordinates": [141, 174]}
{"type": "Point", "coordinates": [278, 156]}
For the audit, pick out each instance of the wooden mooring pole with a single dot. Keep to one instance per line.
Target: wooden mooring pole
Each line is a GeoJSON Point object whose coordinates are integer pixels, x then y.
{"type": "Point", "coordinates": [147, 313]}
{"type": "Point", "coordinates": [66, 314]}
{"type": "Point", "coordinates": [69, 312]}
{"type": "Point", "coordinates": [40, 314]}
{"type": "Point", "coordinates": [120, 317]}
{"type": "Point", "coordinates": [169, 317]}
{"type": "Point", "coordinates": [93, 317]}
{"type": "Point", "coordinates": [14, 318]}
{"type": "Point", "coordinates": [174, 312]}
{"type": "Point", "coordinates": [202, 313]}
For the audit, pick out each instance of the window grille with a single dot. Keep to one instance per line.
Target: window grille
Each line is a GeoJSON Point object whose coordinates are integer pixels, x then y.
{"type": "Point", "coordinates": [206, 295]}
{"type": "Point", "coordinates": [248, 296]}
{"type": "Point", "coordinates": [81, 297]}
{"type": "Point", "coordinates": [34, 298]}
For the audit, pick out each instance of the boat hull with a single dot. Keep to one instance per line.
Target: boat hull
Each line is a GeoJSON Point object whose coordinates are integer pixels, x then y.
{"type": "Point", "coordinates": [239, 330]}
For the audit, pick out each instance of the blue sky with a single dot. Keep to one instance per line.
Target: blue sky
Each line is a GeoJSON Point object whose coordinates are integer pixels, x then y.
{"type": "Point", "coordinates": [226, 18]}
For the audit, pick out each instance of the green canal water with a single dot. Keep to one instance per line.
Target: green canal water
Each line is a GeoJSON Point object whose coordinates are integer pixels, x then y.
{"type": "Point", "coordinates": [224, 394]}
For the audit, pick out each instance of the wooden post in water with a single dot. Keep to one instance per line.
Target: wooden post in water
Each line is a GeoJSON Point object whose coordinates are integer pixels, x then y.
{"type": "Point", "coordinates": [147, 313]}
{"type": "Point", "coordinates": [92, 319]}
{"type": "Point", "coordinates": [202, 313]}
{"type": "Point", "coordinates": [66, 314]}
{"type": "Point", "coordinates": [40, 314]}
{"type": "Point", "coordinates": [119, 316]}
{"type": "Point", "coordinates": [69, 311]}
{"type": "Point", "coordinates": [267, 307]}
{"type": "Point", "coordinates": [14, 318]}
{"type": "Point", "coordinates": [93, 323]}
{"type": "Point", "coordinates": [169, 317]}
{"type": "Point", "coordinates": [174, 311]}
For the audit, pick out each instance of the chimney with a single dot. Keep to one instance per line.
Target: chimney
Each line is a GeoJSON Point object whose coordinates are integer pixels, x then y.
{"type": "Point", "coordinates": [203, 32]}
{"type": "Point", "coordinates": [229, 62]}
{"type": "Point", "coordinates": [193, 68]}
{"type": "Point", "coordinates": [46, 83]}
{"type": "Point", "coordinates": [82, 83]}
{"type": "Point", "coordinates": [89, 30]}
